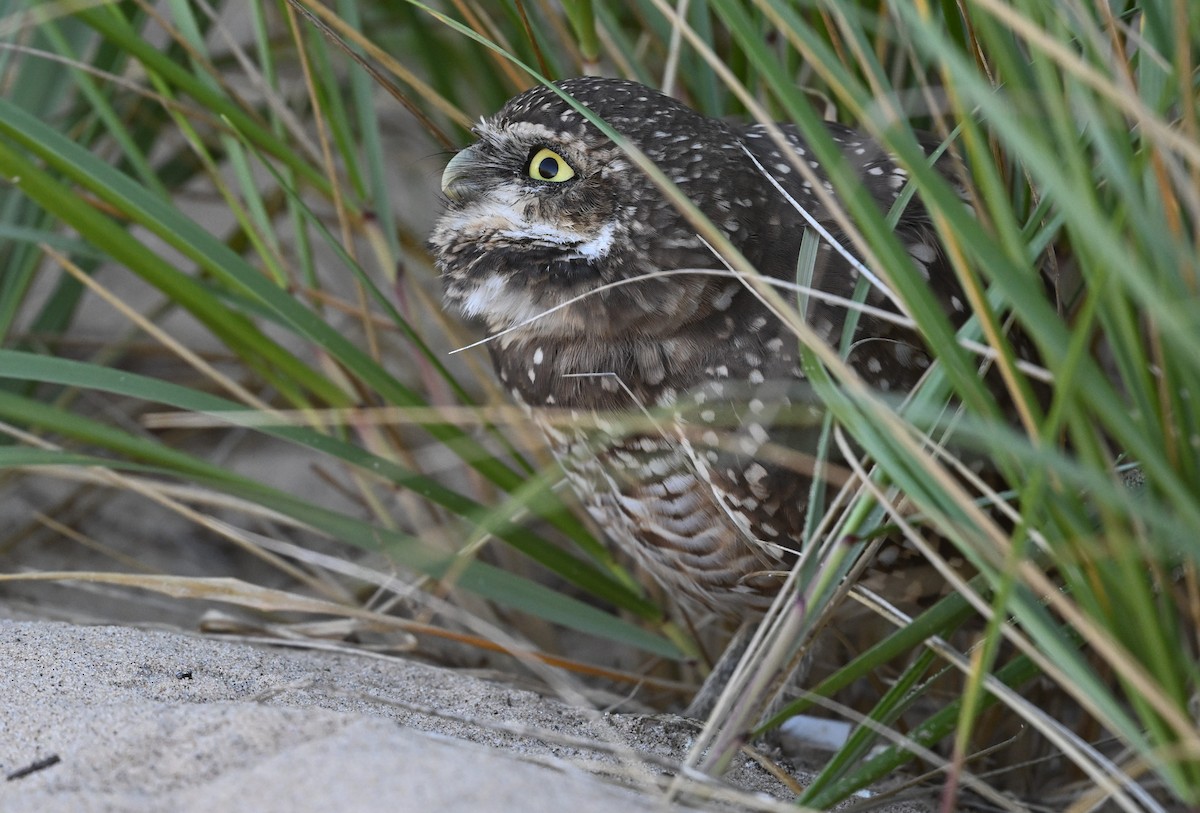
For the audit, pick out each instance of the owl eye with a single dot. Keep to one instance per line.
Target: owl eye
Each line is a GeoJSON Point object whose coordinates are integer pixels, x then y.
{"type": "Point", "coordinates": [547, 165]}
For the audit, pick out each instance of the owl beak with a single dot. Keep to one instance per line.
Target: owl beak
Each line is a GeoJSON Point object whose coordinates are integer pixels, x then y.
{"type": "Point", "coordinates": [461, 176]}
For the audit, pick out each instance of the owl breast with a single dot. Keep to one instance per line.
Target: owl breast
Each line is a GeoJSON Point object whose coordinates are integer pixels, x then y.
{"type": "Point", "coordinates": [656, 498]}
{"type": "Point", "coordinates": [661, 441]}
{"type": "Point", "coordinates": [658, 507]}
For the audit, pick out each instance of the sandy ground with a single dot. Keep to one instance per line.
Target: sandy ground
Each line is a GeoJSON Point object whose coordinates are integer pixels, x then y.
{"type": "Point", "coordinates": [148, 720]}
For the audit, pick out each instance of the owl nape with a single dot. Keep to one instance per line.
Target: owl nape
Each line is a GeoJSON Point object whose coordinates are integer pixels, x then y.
{"type": "Point", "coordinates": [557, 243]}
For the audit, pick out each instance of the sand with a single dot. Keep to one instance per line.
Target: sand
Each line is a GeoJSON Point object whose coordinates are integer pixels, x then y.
{"type": "Point", "coordinates": [150, 720]}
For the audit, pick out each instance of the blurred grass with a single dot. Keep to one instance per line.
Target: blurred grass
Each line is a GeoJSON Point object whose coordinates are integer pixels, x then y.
{"type": "Point", "coordinates": [312, 291]}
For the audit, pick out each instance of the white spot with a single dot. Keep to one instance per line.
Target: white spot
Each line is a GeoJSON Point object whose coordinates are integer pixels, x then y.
{"type": "Point", "coordinates": [677, 484]}
{"type": "Point", "coordinates": [538, 355]}
{"type": "Point", "coordinates": [922, 252]}
{"type": "Point", "coordinates": [756, 377]}
{"type": "Point", "coordinates": [648, 444]}
{"type": "Point", "coordinates": [755, 474]}
{"type": "Point", "coordinates": [725, 298]}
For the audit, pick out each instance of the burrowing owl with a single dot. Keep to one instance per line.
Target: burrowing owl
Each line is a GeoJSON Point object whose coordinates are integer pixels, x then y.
{"type": "Point", "coordinates": [554, 239]}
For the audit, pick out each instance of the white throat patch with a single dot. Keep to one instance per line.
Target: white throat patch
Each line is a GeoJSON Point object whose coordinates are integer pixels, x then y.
{"type": "Point", "coordinates": [498, 302]}
{"type": "Point", "coordinates": [583, 246]}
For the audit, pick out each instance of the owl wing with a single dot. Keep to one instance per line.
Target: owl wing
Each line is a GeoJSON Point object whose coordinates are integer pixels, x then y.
{"type": "Point", "coordinates": [758, 463]}
{"type": "Point", "coordinates": [888, 355]}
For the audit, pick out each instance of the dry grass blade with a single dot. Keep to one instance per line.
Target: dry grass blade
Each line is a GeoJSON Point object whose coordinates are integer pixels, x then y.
{"type": "Point", "coordinates": [1069, 129]}
{"type": "Point", "coordinates": [1130, 103]}
{"type": "Point", "coordinates": [341, 33]}
{"type": "Point", "coordinates": [226, 590]}
{"type": "Point", "coordinates": [1110, 780]}
{"type": "Point", "coordinates": [487, 637]}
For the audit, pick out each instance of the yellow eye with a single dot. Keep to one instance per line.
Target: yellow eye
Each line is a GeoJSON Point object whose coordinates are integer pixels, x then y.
{"type": "Point", "coordinates": [547, 165]}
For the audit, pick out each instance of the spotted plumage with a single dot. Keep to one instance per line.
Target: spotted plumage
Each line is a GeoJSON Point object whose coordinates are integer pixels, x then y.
{"type": "Point", "coordinates": [552, 239]}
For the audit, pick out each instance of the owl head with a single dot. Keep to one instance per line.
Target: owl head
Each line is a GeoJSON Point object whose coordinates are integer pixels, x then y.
{"type": "Point", "coordinates": [548, 221]}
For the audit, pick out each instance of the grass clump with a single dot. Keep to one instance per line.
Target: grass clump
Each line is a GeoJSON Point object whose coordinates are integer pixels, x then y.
{"type": "Point", "coordinates": [247, 206]}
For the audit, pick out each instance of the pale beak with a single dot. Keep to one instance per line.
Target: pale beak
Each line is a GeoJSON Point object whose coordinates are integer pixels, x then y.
{"type": "Point", "coordinates": [461, 177]}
